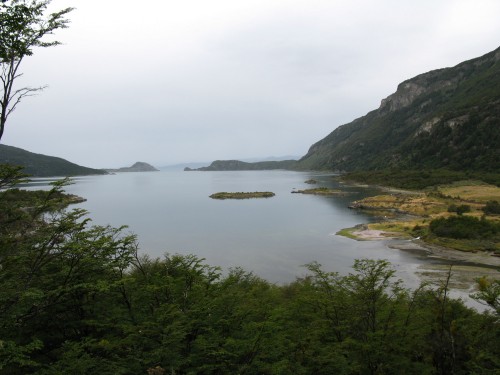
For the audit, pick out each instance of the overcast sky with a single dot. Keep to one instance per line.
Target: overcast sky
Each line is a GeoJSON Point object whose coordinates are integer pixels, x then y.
{"type": "Point", "coordinates": [166, 81]}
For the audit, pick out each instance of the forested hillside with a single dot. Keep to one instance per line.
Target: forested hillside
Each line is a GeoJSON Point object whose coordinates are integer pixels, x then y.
{"type": "Point", "coordinates": [38, 165]}
{"type": "Point", "coordinates": [447, 118]}
{"type": "Point", "coordinates": [237, 165]}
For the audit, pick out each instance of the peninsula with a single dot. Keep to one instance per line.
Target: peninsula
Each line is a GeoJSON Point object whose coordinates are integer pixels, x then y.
{"type": "Point", "coordinates": [462, 216]}
{"type": "Point", "coordinates": [319, 191]}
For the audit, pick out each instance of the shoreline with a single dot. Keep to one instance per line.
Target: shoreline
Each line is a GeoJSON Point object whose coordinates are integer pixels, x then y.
{"type": "Point", "coordinates": [401, 212]}
{"type": "Point", "coordinates": [465, 267]}
{"type": "Point", "coordinates": [478, 258]}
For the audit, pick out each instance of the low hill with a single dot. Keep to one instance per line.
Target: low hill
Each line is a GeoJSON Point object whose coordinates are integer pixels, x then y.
{"type": "Point", "coordinates": [38, 165]}
{"type": "Point", "coordinates": [237, 165]}
{"type": "Point", "coordinates": [447, 118]}
{"type": "Point", "coordinates": [139, 166]}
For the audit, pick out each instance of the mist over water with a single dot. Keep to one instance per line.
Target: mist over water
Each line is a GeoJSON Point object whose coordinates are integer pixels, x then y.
{"type": "Point", "coordinates": [171, 212]}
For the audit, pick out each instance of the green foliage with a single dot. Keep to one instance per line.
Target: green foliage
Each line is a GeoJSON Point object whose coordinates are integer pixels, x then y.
{"type": "Point", "coordinates": [236, 165]}
{"type": "Point", "coordinates": [79, 299]}
{"type": "Point", "coordinates": [460, 209]}
{"type": "Point", "coordinates": [11, 176]}
{"type": "Point", "coordinates": [492, 208]}
{"type": "Point", "coordinates": [488, 293]}
{"type": "Point", "coordinates": [465, 227]}
{"type": "Point", "coordinates": [242, 195]}
{"type": "Point", "coordinates": [418, 179]}
{"type": "Point", "coordinates": [24, 25]}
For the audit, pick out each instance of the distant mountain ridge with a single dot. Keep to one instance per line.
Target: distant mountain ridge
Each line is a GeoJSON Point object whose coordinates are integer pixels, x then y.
{"type": "Point", "coordinates": [39, 165]}
{"type": "Point", "coordinates": [237, 165]}
{"type": "Point", "coordinates": [446, 118]}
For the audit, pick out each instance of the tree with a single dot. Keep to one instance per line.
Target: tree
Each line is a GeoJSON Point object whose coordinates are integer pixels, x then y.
{"type": "Point", "coordinates": [23, 26]}
{"type": "Point", "coordinates": [488, 293]}
{"type": "Point", "coordinates": [460, 210]}
{"type": "Point", "coordinates": [492, 208]}
{"type": "Point", "coordinates": [57, 274]}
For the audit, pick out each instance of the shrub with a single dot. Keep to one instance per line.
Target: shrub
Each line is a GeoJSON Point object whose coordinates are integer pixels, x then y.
{"type": "Point", "coordinates": [463, 208]}
{"type": "Point", "coordinates": [492, 208]}
{"type": "Point", "coordinates": [464, 227]}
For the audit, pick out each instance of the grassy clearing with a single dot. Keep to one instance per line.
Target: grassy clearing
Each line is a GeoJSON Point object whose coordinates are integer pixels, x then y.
{"type": "Point", "coordinates": [348, 232]}
{"type": "Point", "coordinates": [471, 191]}
{"type": "Point", "coordinates": [416, 204]}
{"type": "Point", "coordinates": [427, 205]}
{"type": "Point", "coordinates": [404, 229]}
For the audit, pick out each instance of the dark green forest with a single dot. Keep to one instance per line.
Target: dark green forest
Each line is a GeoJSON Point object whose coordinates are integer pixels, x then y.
{"type": "Point", "coordinates": [417, 179]}
{"type": "Point", "coordinates": [80, 299]}
{"type": "Point", "coordinates": [39, 165]}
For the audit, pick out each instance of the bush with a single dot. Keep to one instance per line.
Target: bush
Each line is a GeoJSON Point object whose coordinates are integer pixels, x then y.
{"type": "Point", "coordinates": [464, 227]}
{"type": "Point", "coordinates": [463, 208]}
{"type": "Point", "coordinates": [492, 208]}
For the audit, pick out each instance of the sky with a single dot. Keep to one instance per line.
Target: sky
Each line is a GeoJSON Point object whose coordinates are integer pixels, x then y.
{"type": "Point", "coordinates": [169, 82]}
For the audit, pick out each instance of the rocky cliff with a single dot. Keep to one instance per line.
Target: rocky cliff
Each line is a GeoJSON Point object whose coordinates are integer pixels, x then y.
{"type": "Point", "coordinates": [446, 118]}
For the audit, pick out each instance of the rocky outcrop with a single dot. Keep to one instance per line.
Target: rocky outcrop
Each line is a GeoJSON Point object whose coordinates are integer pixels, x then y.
{"type": "Point", "coordinates": [404, 96]}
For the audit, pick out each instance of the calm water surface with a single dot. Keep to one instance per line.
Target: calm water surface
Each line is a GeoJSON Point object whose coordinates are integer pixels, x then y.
{"type": "Point", "coordinates": [171, 212]}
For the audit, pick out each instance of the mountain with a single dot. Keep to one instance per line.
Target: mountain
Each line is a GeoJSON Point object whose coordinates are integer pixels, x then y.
{"type": "Point", "coordinates": [139, 166]}
{"type": "Point", "coordinates": [237, 165]}
{"type": "Point", "coordinates": [38, 165]}
{"type": "Point", "coordinates": [447, 118]}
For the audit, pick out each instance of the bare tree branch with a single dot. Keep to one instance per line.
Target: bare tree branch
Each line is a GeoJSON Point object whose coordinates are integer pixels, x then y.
{"type": "Point", "coordinates": [23, 26]}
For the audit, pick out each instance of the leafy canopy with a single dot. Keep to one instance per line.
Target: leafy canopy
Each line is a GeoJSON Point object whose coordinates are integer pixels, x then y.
{"type": "Point", "coordinates": [24, 26]}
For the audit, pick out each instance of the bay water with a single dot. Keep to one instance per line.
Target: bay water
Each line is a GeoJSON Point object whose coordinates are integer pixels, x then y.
{"type": "Point", "coordinates": [171, 212]}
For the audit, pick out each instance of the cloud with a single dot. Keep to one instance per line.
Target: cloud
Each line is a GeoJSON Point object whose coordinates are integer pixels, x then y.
{"type": "Point", "coordinates": [167, 82]}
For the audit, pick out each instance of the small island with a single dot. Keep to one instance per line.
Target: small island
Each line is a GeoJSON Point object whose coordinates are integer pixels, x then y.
{"type": "Point", "coordinates": [311, 181]}
{"type": "Point", "coordinates": [139, 166]}
{"type": "Point", "coordinates": [243, 195]}
{"type": "Point", "coordinates": [319, 191]}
